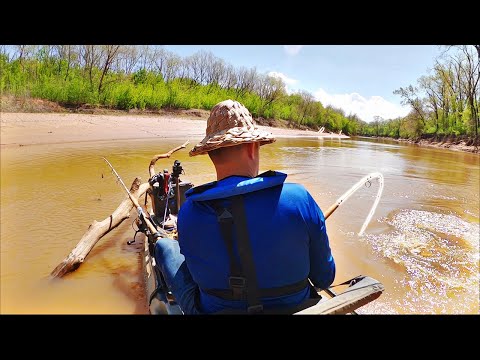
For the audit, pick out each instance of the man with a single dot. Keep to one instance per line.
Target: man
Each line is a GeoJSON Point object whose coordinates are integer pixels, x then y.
{"type": "Point", "coordinates": [247, 242]}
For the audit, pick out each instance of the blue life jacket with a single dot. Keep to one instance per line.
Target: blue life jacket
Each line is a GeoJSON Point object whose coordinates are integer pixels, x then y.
{"type": "Point", "coordinates": [287, 234]}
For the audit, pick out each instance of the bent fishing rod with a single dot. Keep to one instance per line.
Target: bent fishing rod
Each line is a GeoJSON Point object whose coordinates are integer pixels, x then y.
{"type": "Point", "coordinates": [365, 180]}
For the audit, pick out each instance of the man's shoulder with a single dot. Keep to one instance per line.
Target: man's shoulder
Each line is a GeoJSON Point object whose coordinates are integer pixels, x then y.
{"type": "Point", "coordinates": [295, 190]}
{"type": "Point", "coordinates": [200, 188]}
{"type": "Point", "coordinates": [294, 187]}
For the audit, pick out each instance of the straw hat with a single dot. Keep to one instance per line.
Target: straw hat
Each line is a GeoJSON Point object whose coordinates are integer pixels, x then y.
{"type": "Point", "coordinates": [230, 123]}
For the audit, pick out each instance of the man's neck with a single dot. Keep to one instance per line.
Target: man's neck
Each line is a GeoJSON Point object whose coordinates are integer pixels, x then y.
{"type": "Point", "coordinates": [224, 174]}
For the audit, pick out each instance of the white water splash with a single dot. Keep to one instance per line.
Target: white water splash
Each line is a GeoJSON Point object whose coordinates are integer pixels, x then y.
{"type": "Point", "coordinates": [440, 255]}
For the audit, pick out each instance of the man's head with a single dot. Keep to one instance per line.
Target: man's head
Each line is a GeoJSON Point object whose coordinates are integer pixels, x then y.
{"type": "Point", "coordinates": [232, 140]}
{"type": "Point", "coordinates": [229, 124]}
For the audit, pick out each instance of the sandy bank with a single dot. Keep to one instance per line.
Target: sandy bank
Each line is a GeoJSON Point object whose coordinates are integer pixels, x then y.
{"type": "Point", "coordinates": [21, 129]}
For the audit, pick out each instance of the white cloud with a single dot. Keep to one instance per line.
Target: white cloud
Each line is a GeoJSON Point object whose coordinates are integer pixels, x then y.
{"type": "Point", "coordinates": [365, 109]}
{"type": "Point", "coordinates": [292, 49]}
{"type": "Point", "coordinates": [286, 80]}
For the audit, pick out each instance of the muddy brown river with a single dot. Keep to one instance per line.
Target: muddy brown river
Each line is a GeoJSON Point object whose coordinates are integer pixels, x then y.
{"type": "Point", "coordinates": [422, 242]}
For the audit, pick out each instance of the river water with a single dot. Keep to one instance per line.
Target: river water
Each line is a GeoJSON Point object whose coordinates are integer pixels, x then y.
{"type": "Point", "coordinates": [422, 242]}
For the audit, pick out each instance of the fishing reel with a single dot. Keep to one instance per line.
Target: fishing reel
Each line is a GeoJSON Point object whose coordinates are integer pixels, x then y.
{"type": "Point", "coordinates": [141, 227]}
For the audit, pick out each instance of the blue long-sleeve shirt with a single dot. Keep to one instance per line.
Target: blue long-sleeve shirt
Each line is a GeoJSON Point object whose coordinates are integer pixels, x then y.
{"type": "Point", "coordinates": [287, 234]}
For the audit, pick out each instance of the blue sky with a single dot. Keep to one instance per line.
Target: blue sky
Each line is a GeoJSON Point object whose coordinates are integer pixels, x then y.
{"type": "Point", "coordinates": [357, 78]}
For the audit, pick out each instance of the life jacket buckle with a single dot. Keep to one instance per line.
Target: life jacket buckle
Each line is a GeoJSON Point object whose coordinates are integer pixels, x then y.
{"type": "Point", "coordinates": [238, 285]}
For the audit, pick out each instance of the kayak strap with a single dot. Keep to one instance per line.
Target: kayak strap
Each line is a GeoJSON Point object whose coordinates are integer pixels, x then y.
{"type": "Point", "coordinates": [227, 294]}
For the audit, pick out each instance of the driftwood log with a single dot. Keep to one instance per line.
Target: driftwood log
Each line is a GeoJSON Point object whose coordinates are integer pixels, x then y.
{"type": "Point", "coordinates": [97, 230]}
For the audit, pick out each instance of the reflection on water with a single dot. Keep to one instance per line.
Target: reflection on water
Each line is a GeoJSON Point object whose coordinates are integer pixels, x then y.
{"type": "Point", "coordinates": [422, 242]}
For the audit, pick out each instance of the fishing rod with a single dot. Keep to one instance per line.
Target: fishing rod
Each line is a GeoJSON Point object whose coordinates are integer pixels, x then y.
{"type": "Point", "coordinates": [140, 211]}
{"type": "Point", "coordinates": [365, 180]}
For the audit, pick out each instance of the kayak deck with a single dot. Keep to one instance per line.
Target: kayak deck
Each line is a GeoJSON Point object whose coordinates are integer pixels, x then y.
{"type": "Point", "coordinates": [363, 291]}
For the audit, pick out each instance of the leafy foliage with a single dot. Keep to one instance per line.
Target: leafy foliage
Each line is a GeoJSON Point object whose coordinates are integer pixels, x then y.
{"type": "Point", "coordinates": [146, 77]}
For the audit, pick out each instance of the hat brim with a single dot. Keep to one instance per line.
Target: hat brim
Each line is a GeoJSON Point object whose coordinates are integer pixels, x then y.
{"type": "Point", "coordinates": [231, 137]}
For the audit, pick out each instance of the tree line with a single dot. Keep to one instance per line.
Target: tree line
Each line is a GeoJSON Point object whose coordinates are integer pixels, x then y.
{"type": "Point", "coordinates": [151, 77]}
{"type": "Point", "coordinates": [443, 103]}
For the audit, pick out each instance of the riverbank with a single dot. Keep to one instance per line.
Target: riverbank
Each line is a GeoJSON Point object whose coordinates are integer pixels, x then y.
{"type": "Point", "coordinates": [446, 142]}
{"type": "Point", "coordinates": [27, 121]}
{"type": "Point", "coordinates": [23, 129]}
{"type": "Point", "coordinates": [34, 121]}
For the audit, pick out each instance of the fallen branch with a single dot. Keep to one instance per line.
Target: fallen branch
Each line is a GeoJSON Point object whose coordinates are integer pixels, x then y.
{"type": "Point", "coordinates": [97, 230]}
{"type": "Point", "coordinates": [151, 169]}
